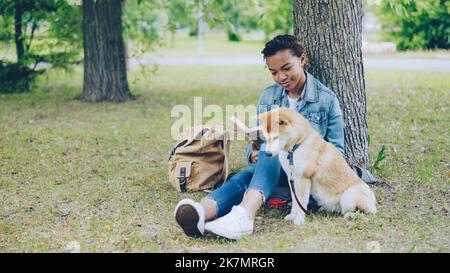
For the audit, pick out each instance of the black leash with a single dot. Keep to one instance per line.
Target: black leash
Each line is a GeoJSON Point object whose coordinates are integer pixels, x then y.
{"type": "Point", "coordinates": [291, 181]}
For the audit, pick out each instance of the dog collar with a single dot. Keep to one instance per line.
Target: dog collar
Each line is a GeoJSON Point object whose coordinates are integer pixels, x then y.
{"type": "Point", "coordinates": [291, 154]}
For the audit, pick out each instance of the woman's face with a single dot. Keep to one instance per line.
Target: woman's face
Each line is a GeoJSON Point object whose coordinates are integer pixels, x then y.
{"type": "Point", "coordinates": [287, 69]}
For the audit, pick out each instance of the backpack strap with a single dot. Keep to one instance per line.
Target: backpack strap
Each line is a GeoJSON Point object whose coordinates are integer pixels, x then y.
{"type": "Point", "coordinates": [199, 131]}
{"type": "Point", "coordinates": [182, 173]}
{"type": "Point", "coordinates": [182, 179]}
{"type": "Point", "coordinates": [181, 143]}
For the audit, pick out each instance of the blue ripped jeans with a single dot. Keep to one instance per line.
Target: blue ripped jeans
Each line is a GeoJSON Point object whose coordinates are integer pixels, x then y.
{"type": "Point", "coordinates": [264, 176]}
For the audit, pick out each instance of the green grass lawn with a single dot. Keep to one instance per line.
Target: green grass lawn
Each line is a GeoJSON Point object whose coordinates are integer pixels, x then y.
{"type": "Point", "coordinates": [97, 173]}
{"type": "Point", "coordinates": [214, 44]}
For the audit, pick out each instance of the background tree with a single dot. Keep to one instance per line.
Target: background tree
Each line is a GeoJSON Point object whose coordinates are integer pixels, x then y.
{"type": "Point", "coordinates": [271, 16]}
{"type": "Point", "coordinates": [141, 26]}
{"type": "Point", "coordinates": [141, 20]}
{"type": "Point", "coordinates": [415, 24]}
{"type": "Point", "coordinates": [332, 34]}
{"type": "Point", "coordinates": [276, 17]}
{"type": "Point", "coordinates": [231, 15]}
{"type": "Point", "coordinates": [240, 15]}
{"type": "Point", "coordinates": [105, 77]}
{"type": "Point", "coordinates": [177, 17]}
{"type": "Point", "coordinates": [42, 31]}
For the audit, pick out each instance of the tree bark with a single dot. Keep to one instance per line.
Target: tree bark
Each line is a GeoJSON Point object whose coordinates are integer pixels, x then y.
{"type": "Point", "coordinates": [18, 35]}
{"type": "Point", "coordinates": [105, 76]}
{"type": "Point", "coordinates": [332, 34]}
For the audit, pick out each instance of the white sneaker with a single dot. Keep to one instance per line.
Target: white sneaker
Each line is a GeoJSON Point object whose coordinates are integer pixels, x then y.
{"type": "Point", "coordinates": [190, 215]}
{"type": "Point", "coordinates": [234, 225]}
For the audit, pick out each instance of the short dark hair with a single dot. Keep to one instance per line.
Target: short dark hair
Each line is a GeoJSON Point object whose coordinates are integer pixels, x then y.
{"type": "Point", "coordinates": [281, 42]}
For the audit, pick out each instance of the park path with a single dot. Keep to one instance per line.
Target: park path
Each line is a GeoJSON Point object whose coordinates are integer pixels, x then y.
{"type": "Point", "coordinates": [421, 64]}
{"type": "Point", "coordinates": [417, 64]}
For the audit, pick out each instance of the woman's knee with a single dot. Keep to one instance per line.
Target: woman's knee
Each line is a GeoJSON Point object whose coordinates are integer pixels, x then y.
{"type": "Point", "coordinates": [208, 200]}
{"type": "Point", "coordinates": [272, 160]}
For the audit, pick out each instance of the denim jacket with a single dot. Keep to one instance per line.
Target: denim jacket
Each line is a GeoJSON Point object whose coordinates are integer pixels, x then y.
{"type": "Point", "coordinates": [319, 105]}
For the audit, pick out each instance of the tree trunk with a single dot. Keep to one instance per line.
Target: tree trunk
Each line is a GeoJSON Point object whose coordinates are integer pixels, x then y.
{"type": "Point", "coordinates": [18, 35]}
{"type": "Point", "coordinates": [105, 76]}
{"type": "Point", "coordinates": [126, 44]}
{"type": "Point", "coordinates": [331, 31]}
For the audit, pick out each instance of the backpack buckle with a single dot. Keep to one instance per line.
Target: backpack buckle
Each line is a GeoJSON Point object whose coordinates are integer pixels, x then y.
{"type": "Point", "coordinates": [182, 179]}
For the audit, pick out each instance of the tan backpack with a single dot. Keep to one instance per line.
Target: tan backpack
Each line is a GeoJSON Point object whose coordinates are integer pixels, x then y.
{"type": "Point", "coordinates": [200, 160]}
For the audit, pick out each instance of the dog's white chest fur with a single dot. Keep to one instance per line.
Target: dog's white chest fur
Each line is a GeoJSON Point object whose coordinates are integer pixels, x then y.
{"type": "Point", "coordinates": [300, 163]}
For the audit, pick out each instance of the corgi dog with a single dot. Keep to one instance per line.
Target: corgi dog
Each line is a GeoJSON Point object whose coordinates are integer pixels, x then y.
{"type": "Point", "coordinates": [313, 166]}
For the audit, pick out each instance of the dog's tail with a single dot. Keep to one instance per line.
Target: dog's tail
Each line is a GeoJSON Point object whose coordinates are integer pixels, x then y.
{"type": "Point", "coordinates": [358, 196]}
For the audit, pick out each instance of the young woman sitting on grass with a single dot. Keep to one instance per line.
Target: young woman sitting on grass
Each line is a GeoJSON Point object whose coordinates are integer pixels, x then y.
{"type": "Point", "coordinates": [230, 210]}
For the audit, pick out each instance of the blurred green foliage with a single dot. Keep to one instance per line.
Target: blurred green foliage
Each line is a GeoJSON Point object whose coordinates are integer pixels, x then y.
{"type": "Point", "coordinates": [42, 31]}
{"type": "Point", "coordinates": [234, 16]}
{"type": "Point", "coordinates": [141, 20]}
{"type": "Point", "coordinates": [51, 30]}
{"type": "Point", "coordinates": [416, 24]}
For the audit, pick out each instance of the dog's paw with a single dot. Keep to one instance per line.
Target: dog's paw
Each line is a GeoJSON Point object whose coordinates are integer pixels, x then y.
{"type": "Point", "coordinates": [291, 216]}
{"type": "Point", "coordinates": [299, 219]}
{"type": "Point", "coordinates": [349, 215]}
{"type": "Point", "coordinates": [354, 215]}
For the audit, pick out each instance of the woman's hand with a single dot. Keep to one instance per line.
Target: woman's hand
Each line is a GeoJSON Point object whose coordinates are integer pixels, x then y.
{"type": "Point", "coordinates": [254, 156]}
